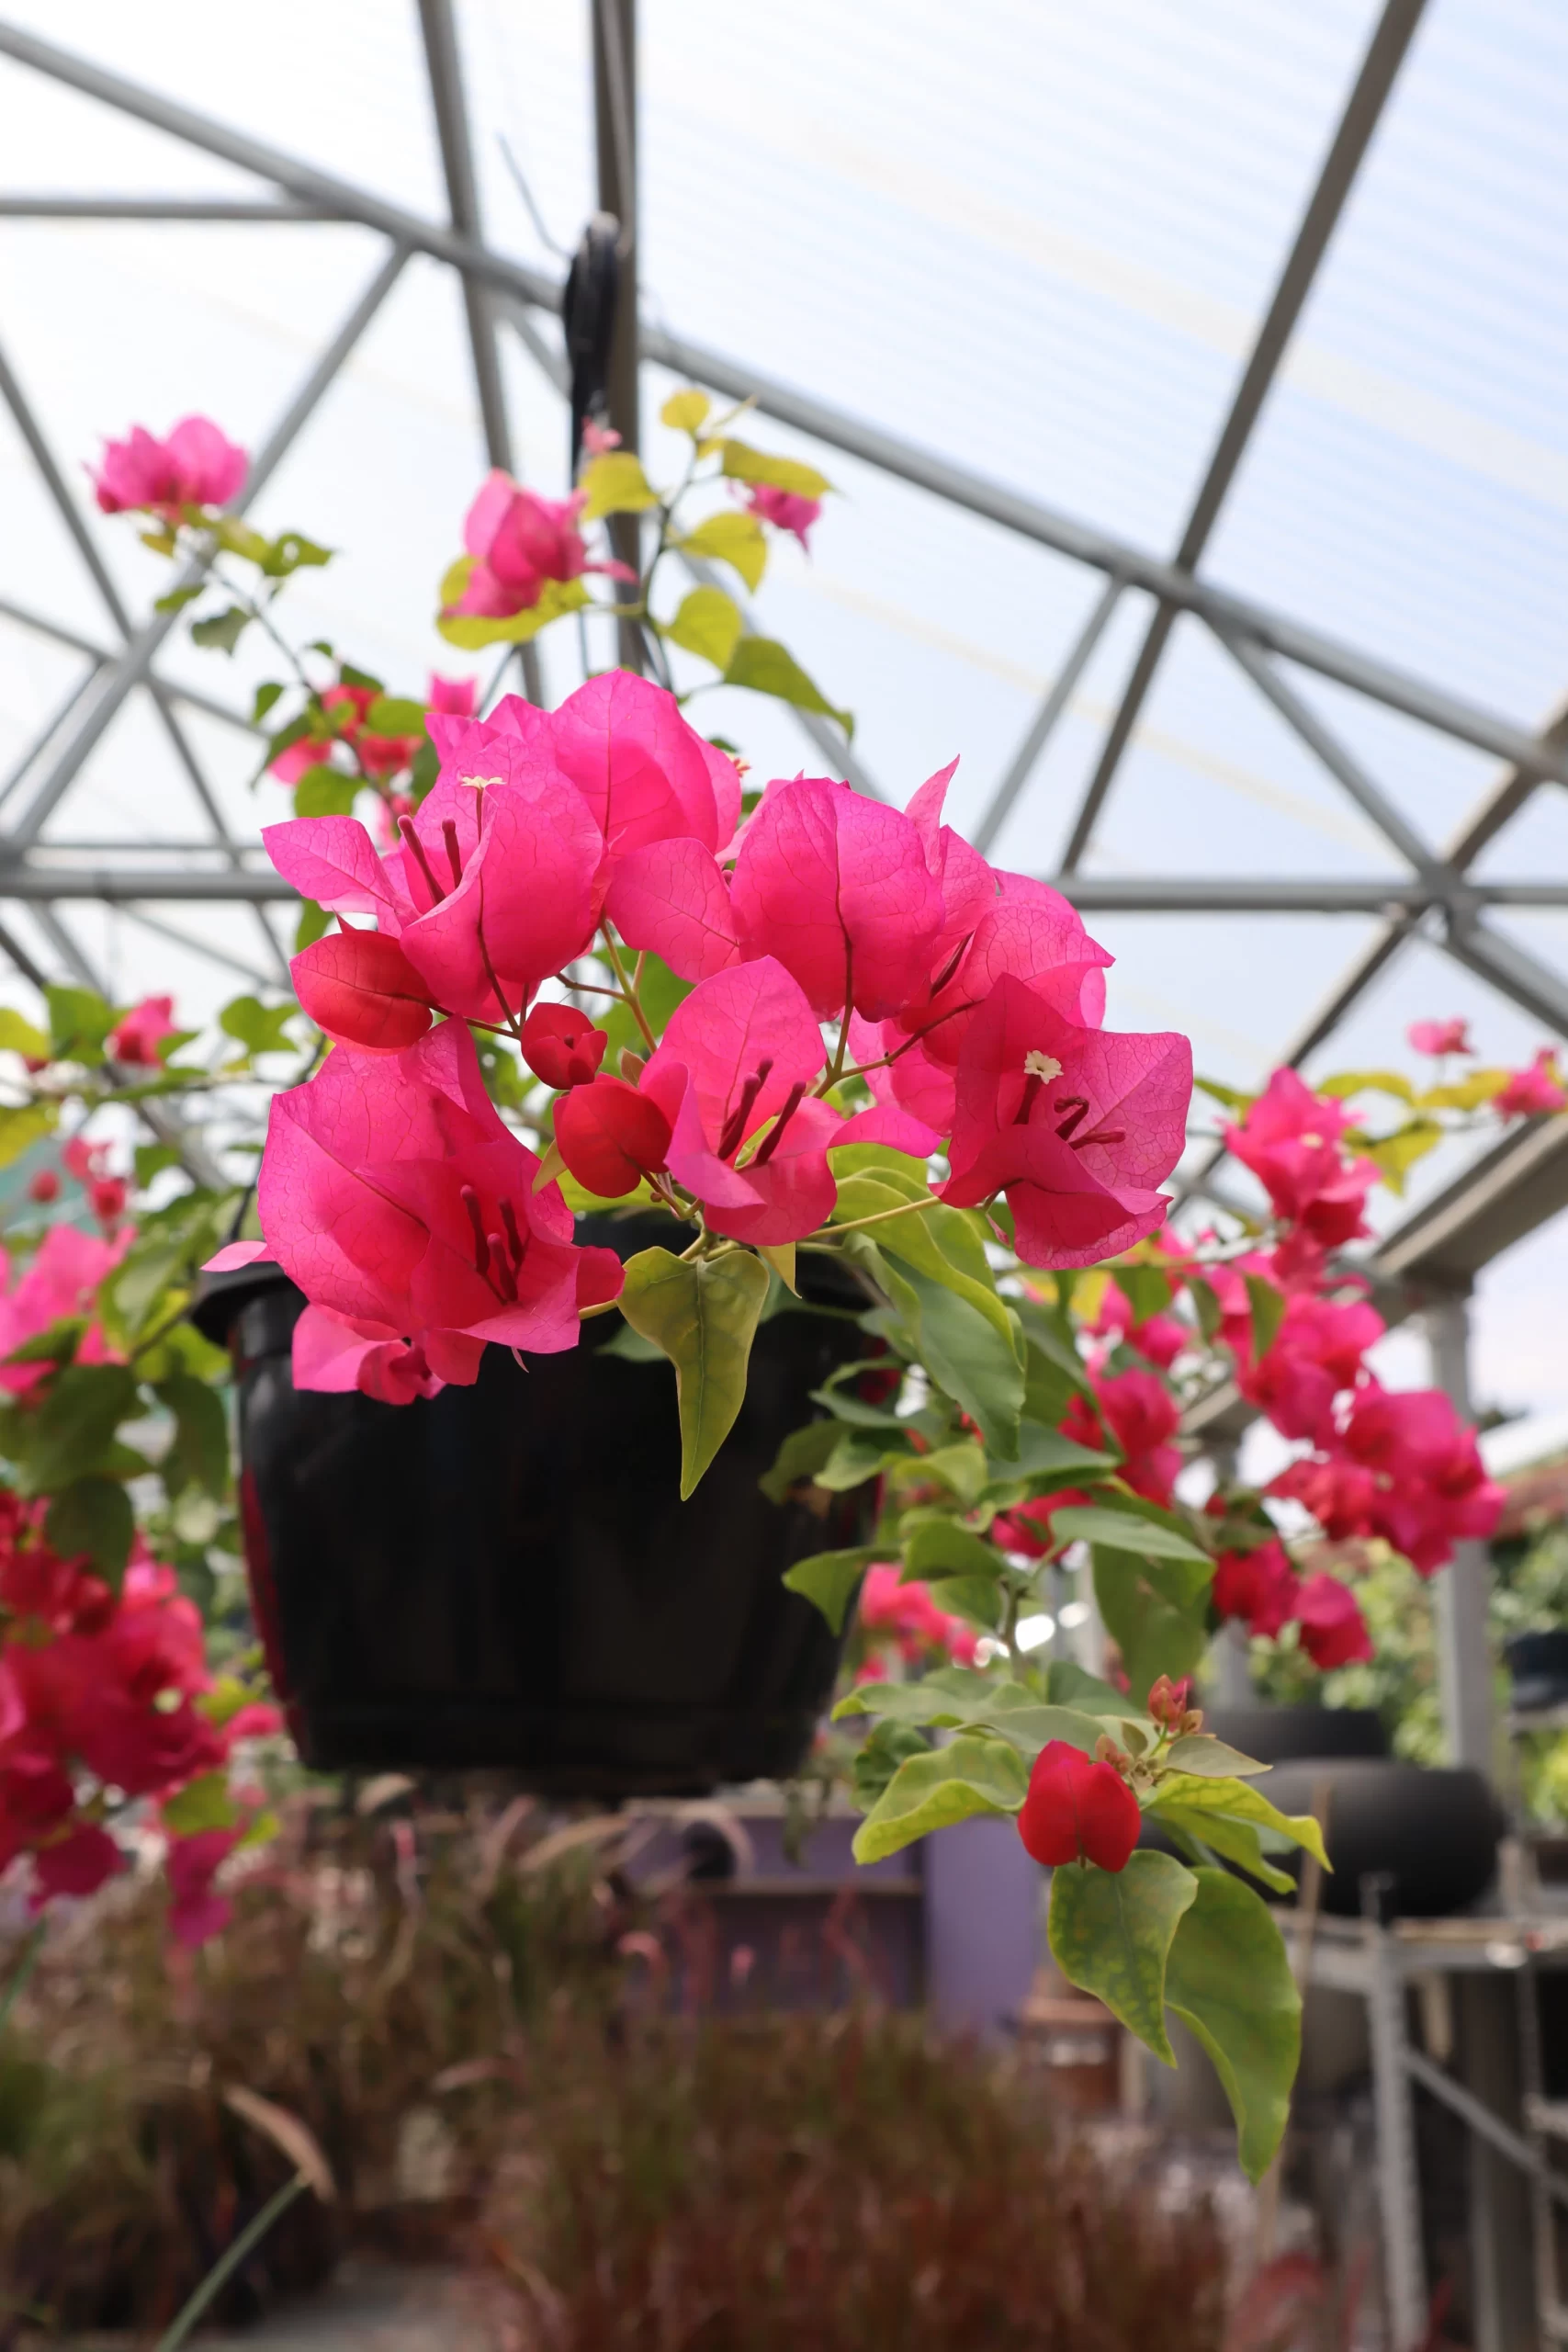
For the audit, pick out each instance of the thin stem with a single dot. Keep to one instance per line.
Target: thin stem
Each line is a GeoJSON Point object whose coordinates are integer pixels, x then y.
{"type": "Point", "coordinates": [859, 1223]}
{"type": "Point", "coordinates": [619, 969]}
{"type": "Point", "coordinates": [228, 2262]}
{"type": "Point", "coordinates": [259, 614]}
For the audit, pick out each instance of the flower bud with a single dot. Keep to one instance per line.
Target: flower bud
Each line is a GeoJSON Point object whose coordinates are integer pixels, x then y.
{"type": "Point", "coordinates": [562, 1046]}
{"type": "Point", "coordinates": [1168, 1700]}
{"type": "Point", "coordinates": [610, 1135]}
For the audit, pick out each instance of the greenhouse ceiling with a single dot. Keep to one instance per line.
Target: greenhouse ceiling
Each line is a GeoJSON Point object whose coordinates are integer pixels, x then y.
{"type": "Point", "coordinates": [1191, 385]}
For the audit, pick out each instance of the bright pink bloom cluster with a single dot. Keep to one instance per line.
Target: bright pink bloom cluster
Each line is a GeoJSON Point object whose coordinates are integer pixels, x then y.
{"type": "Point", "coordinates": [59, 1283]}
{"type": "Point", "coordinates": [378, 755]}
{"type": "Point", "coordinates": [1533, 1091]}
{"type": "Point", "coordinates": [101, 1703]}
{"type": "Point", "coordinates": [1263, 1589]}
{"type": "Point", "coordinates": [908, 1613]}
{"type": "Point", "coordinates": [193, 466]}
{"type": "Point", "coordinates": [974, 996]}
{"type": "Point", "coordinates": [519, 541]}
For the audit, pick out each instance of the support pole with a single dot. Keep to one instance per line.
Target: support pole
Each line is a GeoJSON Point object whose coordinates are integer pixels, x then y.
{"type": "Point", "coordinates": [1464, 1654]}
{"type": "Point", "coordinates": [615, 136]}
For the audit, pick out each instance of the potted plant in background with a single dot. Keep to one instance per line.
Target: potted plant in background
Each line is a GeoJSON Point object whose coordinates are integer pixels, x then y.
{"type": "Point", "coordinates": [581, 978]}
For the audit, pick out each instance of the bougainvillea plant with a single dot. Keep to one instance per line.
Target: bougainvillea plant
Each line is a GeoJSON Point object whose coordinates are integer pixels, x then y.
{"type": "Point", "coordinates": [571, 964]}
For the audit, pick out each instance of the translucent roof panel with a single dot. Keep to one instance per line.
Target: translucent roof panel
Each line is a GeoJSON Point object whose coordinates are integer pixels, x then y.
{"type": "Point", "coordinates": [1034, 240]}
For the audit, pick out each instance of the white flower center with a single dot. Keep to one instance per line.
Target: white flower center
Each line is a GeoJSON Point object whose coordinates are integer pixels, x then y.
{"type": "Point", "coordinates": [1039, 1065]}
{"type": "Point", "coordinates": [479, 781]}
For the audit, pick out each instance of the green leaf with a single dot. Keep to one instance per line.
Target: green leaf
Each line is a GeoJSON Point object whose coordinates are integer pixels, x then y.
{"type": "Point", "coordinates": [937, 1547]}
{"type": "Point", "coordinates": [884, 1747]}
{"type": "Point", "coordinates": [202, 1804]}
{"type": "Point", "coordinates": [22, 1125]}
{"type": "Point", "coordinates": [1067, 1684]}
{"type": "Point", "coordinates": [92, 1515]}
{"type": "Point", "coordinates": [733, 538]}
{"type": "Point", "coordinates": [260, 1028]}
{"type": "Point", "coordinates": [803, 1453]}
{"type": "Point", "coordinates": [960, 1697]}
{"type": "Point", "coordinates": [1048, 1330]}
{"type": "Point", "coordinates": [702, 1312]}
{"type": "Point", "coordinates": [151, 1160]}
{"type": "Point", "coordinates": [1045, 1453]}
{"type": "Point", "coordinates": [200, 1454]}
{"type": "Point", "coordinates": [828, 1579]}
{"type": "Point", "coordinates": [324, 791]}
{"type": "Point", "coordinates": [144, 1274]}
{"type": "Point", "coordinates": [73, 1430]}
{"type": "Point", "coordinates": [615, 484]}
{"type": "Point", "coordinates": [968, 1346]}
{"type": "Point", "coordinates": [1229, 1979]}
{"type": "Point", "coordinates": [978, 1600]}
{"type": "Point", "coordinates": [684, 411]}
{"type": "Point", "coordinates": [314, 923]}
{"type": "Point", "coordinates": [1233, 1099]}
{"type": "Point", "coordinates": [19, 1037]}
{"type": "Point", "coordinates": [1268, 1305]}
{"type": "Point", "coordinates": [1239, 1800]}
{"type": "Point", "coordinates": [350, 676]}
{"type": "Point", "coordinates": [236, 537]}
{"type": "Point", "coordinates": [768, 668]}
{"type": "Point", "coordinates": [395, 715]}
{"type": "Point", "coordinates": [1111, 1932]}
{"type": "Point", "coordinates": [780, 1256]}
{"type": "Point", "coordinates": [1467, 1094]}
{"type": "Point", "coordinates": [1157, 1630]}
{"type": "Point", "coordinates": [223, 630]}
{"type": "Point", "coordinates": [1201, 1752]}
{"type": "Point", "coordinates": [708, 623]}
{"type": "Point", "coordinates": [972, 1774]}
{"type": "Point", "coordinates": [290, 551]}
{"type": "Point", "coordinates": [178, 598]}
{"type": "Point", "coordinates": [742, 463]}
{"type": "Point", "coordinates": [265, 696]}
{"type": "Point", "coordinates": [79, 1021]}
{"type": "Point", "coordinates": [1126, 1526]}
{"type": "Point", "coordinates": [1206, 1304]}
{"type": "Point", "coordinates": [1234, 1841]}
{"type": "Point", "coordinates": [961, 1468]}
{"type": "Point", "coordinates": [1146, 1289]}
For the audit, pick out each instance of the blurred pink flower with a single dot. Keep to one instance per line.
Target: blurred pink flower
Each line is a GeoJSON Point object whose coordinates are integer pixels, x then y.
{"type": "Point", "coordinates": [194, 466]}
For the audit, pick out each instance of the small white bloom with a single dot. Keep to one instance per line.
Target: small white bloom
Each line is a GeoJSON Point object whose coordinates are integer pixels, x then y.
{"type": "Point", "coordinates": [1039, 1065]}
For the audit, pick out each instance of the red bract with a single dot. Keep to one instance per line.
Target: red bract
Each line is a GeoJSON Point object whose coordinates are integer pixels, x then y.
{"type": "Point", "coordinates": [907, 1612]}
{"type": "Point", "coordinates": [1530, 1091]}
{"type": "Point", "coordinates": [1438, 1037]}
{"type": "Point", "coordinates": [786, 509]}
{"type": "Point", "coordinates": [519, 540]}
{"type": "Point", "coordinates": [836, 888]}
{"type": "Point", "coordinates": [1317, 1353]}
{"type": "Point", "coordinates": [739, 1057]}
{"type": "Point", "coordinates": [60, 1283]}
{"type": "Point", "coordinates": [361, 989]}
{"type": "Point", "coordinates": [1076, 1126]}
{"type": "Point", "coordinates": [1333, 1632]}
{"type": "Point", "coordinates": [1290, 1140]}
{"type": "Point", "coordinates": [136, 1038]}
{"type": "Point", "coordinates": [1143, 1417]}
{"type": "Point", "coordinates": [1161, 1338]}
{"type": "Point", "coordinates": [393, 1194]}
{"type": "Point", "coordinates": [44, 1187]}
{"type": "Point", "coordinates": [610, 1135]}
{"type": "Point", "coordinates": [562, 1046]}
{"type": "Point", "coordinates": [332, 1354]}
{"type": "Point", "coordinates": [193, 466]}
{"type": "Point", "coordinates": [1077, 1811]}
{"type": "Point", "coordinates": [494, 889]}
{"type": "Point", "coordinates": [1260, 1587]}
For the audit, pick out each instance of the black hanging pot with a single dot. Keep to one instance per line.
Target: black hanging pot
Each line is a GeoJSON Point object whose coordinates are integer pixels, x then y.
{"type": "Point", "coordinates": [504, 1575]}
{"type": "Point", "coordinates": [1538, 1668]}
{"type": "Point", "coordinates": [1281, 1735]}
{"type": "Point", "coordinates": [1432, 1832]}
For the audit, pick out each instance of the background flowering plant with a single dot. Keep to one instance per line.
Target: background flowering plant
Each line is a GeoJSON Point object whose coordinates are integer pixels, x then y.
{"type": "Point", "coordinates": [573, 964]}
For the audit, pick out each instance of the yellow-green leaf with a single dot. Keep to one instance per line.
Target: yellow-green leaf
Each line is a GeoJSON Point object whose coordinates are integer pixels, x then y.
{"type": "Point", "coordinates": [733, 538]}
{"type": "Point", "coordinates": [709, 624]}
{"type": "Point", "coordinates": [828, 1580]}
{"type": "Point", "coordinates": [1234, 1841]}
{"type": "Point", "coordinates": [768, 668]}
{"type": "Point", "coordinates": [972, 1774]}
{"type": "Point", "coordinates": [742, 463]}
{"type": "Point", "coordinates": [780, 1255]}
{"type": "Point", "coordinates": [1346, 1082]}
{"type": "Point", "coordinates": [1240, 1801]}
{"type": "Point", "coordinates": [615, 484]}
{"type": "Point", "coordinates": [703, 1313]}
{"type": "Point", "coordinates": [23, 1125]}
{"type": "Point", "coordinates": [19, 1037]}
{"type": "Point", "coordinates": [1467, 1094]}
{"type": "Point", "coordinates": [1396, 1155]}
{"type": "Point", "coordinates": [685, 411]}
{"type": "Point", "coordinates": [1110, 1935]}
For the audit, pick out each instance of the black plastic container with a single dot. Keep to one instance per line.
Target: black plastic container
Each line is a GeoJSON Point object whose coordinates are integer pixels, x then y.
{"type": "Point", "coordinates": [504, 1575]}
{"type": "Point", "coordinates": [1433, 1832]}
{"type": "Point", "coordinates": [1538, 1668]}
{"type": "Point", "coordinates": [1281, 1735]}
